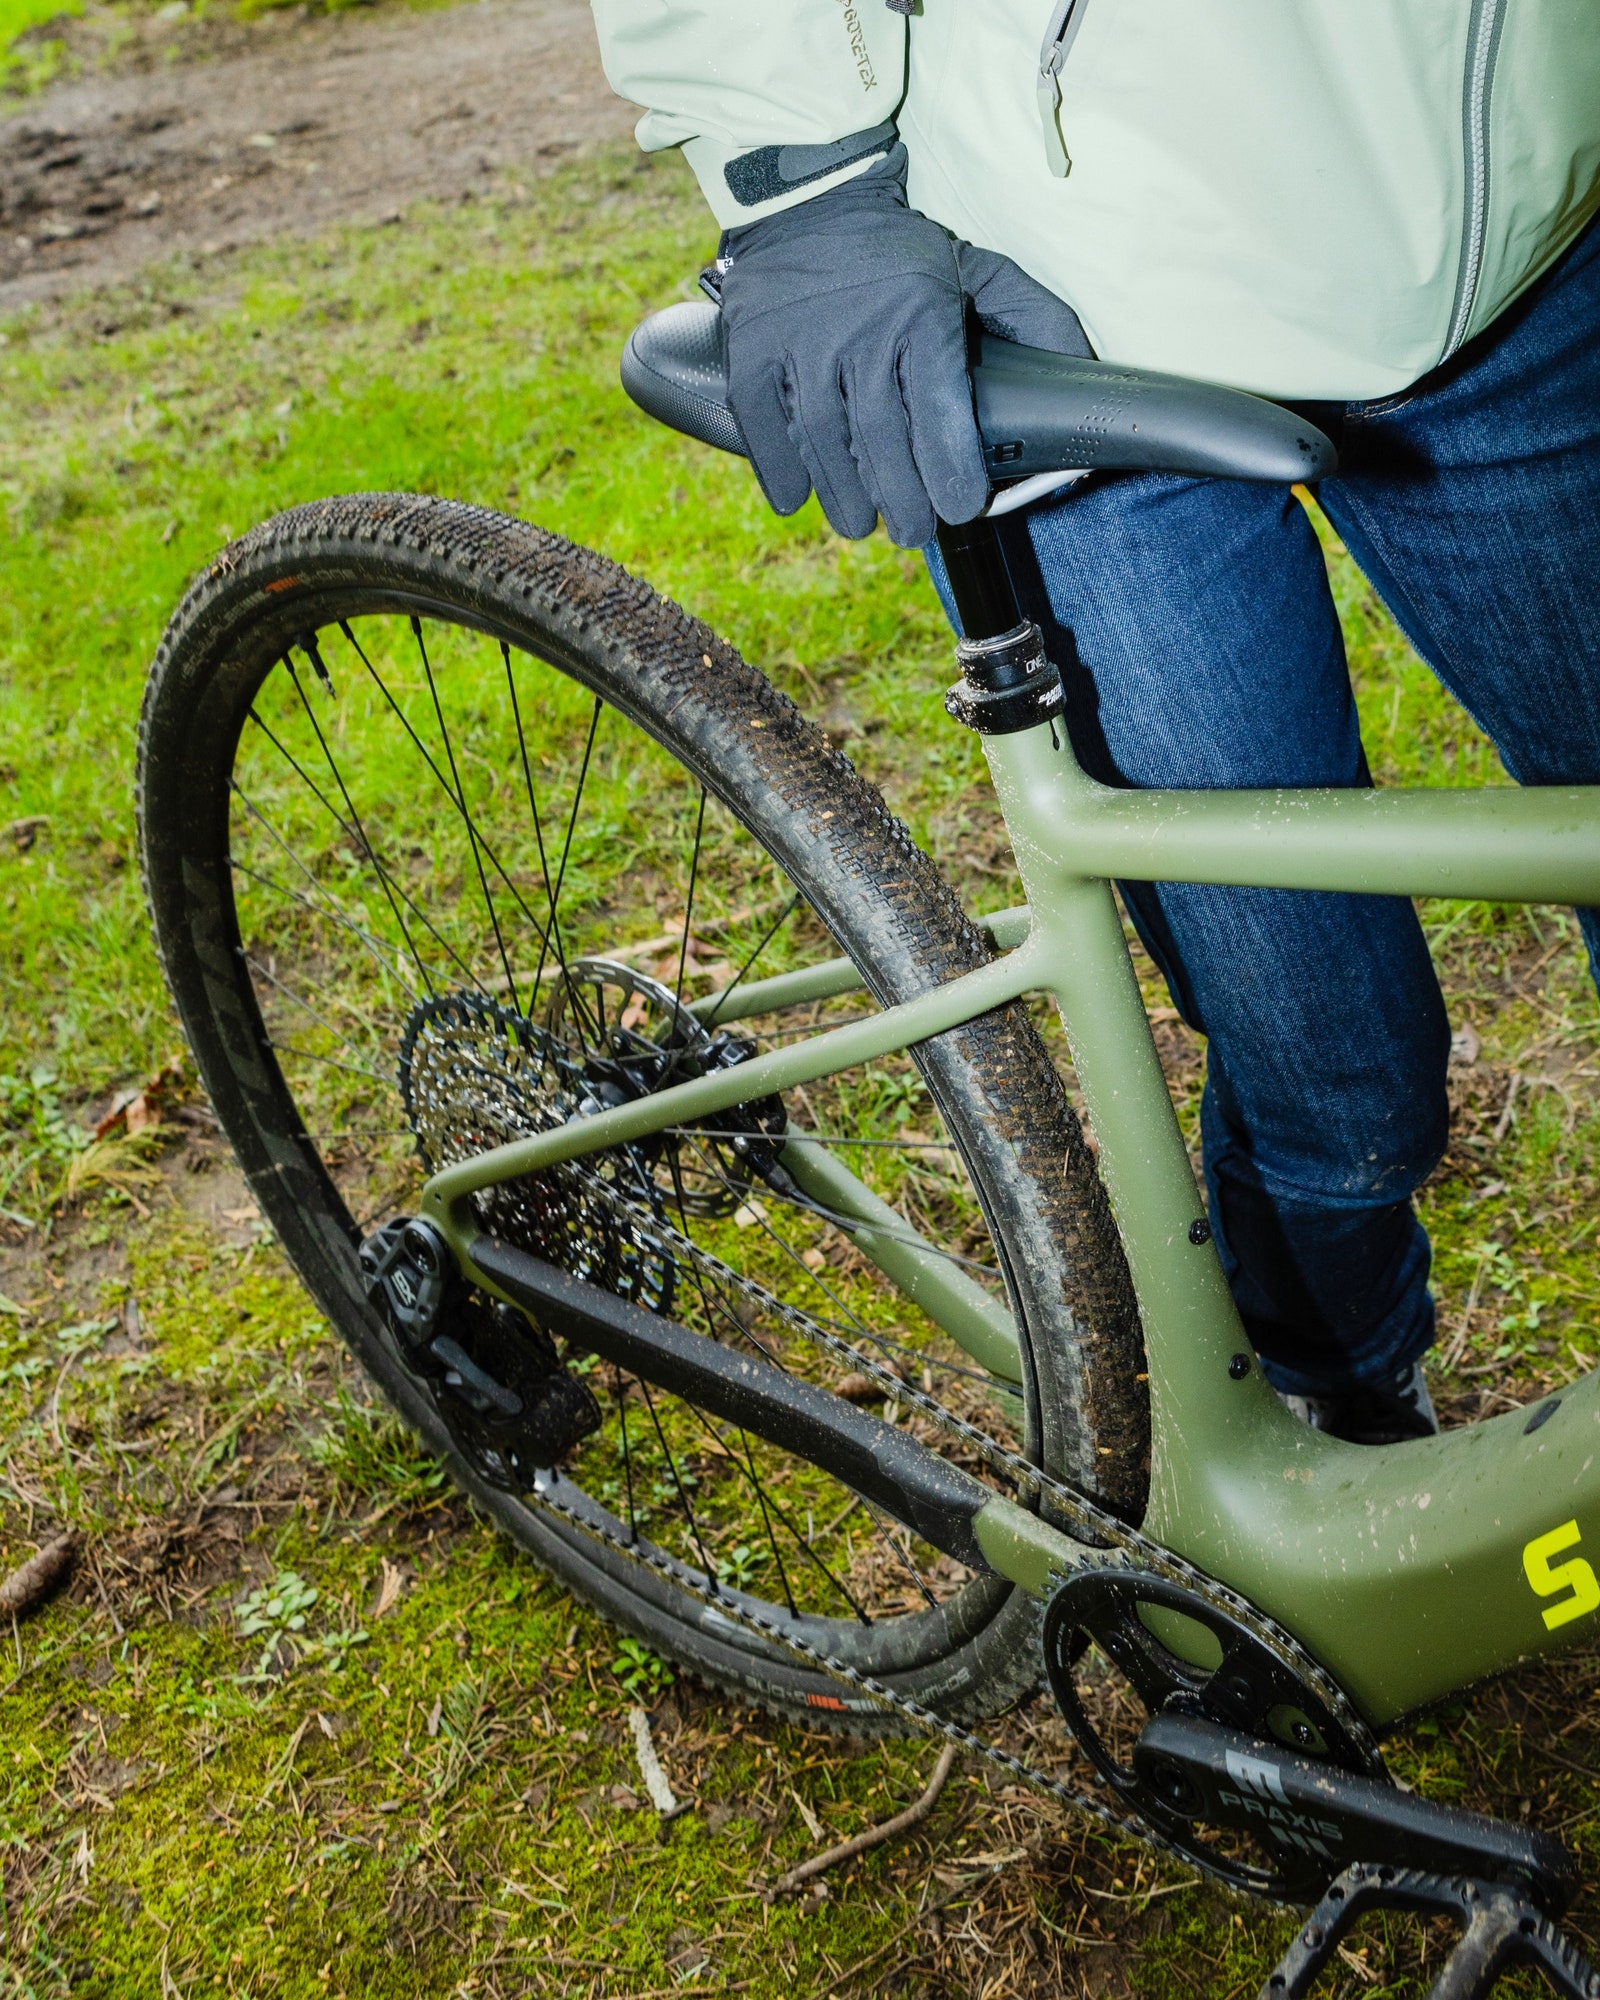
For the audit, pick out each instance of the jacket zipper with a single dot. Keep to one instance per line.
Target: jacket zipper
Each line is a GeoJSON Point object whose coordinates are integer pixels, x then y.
{"type": "Point", "coordinates": [1483, 47]}
{"type": "Point", "coordinates": [1066, 18]}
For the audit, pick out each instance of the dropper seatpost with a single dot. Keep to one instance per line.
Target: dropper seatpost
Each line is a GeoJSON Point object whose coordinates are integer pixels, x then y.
{"type": "Point", "coordinates": [980, 583]}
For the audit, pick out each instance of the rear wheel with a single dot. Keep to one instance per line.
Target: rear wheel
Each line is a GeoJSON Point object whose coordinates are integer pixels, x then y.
{"type": "Point", "coordinates": [447, 826]}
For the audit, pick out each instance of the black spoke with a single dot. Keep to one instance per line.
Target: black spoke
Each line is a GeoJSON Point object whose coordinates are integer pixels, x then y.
{"type": "Point", "coordinates": [782, 918]}
{"type": "Point", "coordinates": [439, 778]}
{"type": "Point", "coordinates": [688, 908]}
{"type": "Point", "coordinates": [766, 1522]}
{"type": "Point", "coordinates": [329, 907]}
{"type": "Point", "coordinates": [683, 1497]}
{"type": "Point", "coordinates": [295, 999]}
{"type": "Point", "coordinates": [621, 1388]}
{"type": "Point", "coordinates": [802, 1541]}
{"type": "Point", "coordinates": [561, 872]}
{"type": "Point", "coordinates": [760, 1491]}
{"type": "Point", "coordinates": [362, 1132]}
{"type": "Point", "coordinates": [466, 816]}
{"type": "Point", "coordinates": [551, 939]}
{"type": "Point", "coordinates": [364, 844]}
{"type": "Point", "coordinates": [902, 1556]}
{"type": "Point", "coordinates": [329, 1062]}
{"type": "Point", "coordinates": [350, 833]}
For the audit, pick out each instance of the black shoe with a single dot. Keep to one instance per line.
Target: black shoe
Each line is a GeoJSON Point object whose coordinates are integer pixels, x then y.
{"type": "Point", "coordinates": [1386, 1412]}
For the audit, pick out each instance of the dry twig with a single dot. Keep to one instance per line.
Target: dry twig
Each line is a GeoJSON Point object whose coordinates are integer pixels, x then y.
{"type": "Point", "coordinates": [874, 1836]}
{"type": "Point", "coordinates": [38, 1576]}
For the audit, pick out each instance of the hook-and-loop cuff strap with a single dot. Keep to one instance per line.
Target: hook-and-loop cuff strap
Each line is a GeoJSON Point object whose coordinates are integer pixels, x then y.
{"type": "Point", "coordinates": [768, 173]}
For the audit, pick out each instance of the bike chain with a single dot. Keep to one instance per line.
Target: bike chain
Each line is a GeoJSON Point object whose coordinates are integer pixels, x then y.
{"type": "Point", "coordinates": [1105, 1540]}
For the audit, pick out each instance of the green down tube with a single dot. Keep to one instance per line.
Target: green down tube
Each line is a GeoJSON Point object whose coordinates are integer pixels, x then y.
{"type": "Point", "coordinates": [1413, 1570]}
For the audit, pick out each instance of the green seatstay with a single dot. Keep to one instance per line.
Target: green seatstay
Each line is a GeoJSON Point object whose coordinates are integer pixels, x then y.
{"type": "Point", "coordinates": [1410, 1571]}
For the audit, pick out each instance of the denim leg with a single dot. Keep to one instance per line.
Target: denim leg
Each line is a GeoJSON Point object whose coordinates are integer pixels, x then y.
{"type": "Point", "coordinates": [1201, 648]}
{"type": "Point", "coordinates": [1473, 504]}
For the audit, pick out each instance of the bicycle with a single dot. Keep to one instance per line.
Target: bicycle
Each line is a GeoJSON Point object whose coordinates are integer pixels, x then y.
{"type": "Point", "coordinates": [537, 1028]}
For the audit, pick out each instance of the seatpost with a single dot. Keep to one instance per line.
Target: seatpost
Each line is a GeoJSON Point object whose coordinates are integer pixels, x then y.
{"type": "Point", "coordinates": [986, 599]}
{"type": "Point", "coordinates": [1007, 683]}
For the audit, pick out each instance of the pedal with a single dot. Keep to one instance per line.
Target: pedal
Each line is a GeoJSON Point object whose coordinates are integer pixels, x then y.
{"type": "Point", "coordinates": [1317, 1819]}
{"type": "Point", "coordinates": [1499, 1928]}
{"type": "Point", "coordinates": [494, 1375]}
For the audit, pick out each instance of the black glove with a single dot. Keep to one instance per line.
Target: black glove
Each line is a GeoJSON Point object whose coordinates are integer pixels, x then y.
{"type": "Point", "coordinates": [847, 355]}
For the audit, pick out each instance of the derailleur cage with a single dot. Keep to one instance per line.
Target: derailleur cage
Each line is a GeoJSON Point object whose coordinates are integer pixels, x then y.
{"type": "Point", "coordinates": [494, 1376]}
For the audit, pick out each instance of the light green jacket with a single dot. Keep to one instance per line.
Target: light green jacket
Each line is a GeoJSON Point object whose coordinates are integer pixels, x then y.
{"type": "Point", "coordinates": [1308, 198]}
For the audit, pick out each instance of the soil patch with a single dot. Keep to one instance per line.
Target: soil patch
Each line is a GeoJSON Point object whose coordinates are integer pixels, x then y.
{"type": "Point", "coordinates": [346, 117]}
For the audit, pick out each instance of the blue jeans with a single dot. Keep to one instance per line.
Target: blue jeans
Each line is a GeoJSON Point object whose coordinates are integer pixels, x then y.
{"type": "Point", "coordinates": [1200, 647]}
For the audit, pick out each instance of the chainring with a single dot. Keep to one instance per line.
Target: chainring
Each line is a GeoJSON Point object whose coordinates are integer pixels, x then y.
{"type": "Point", "coordinates": [1135, 1620]}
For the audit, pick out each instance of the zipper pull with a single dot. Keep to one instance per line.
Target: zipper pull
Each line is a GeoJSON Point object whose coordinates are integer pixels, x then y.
{"type": "Point", "coordinates": [1066, 17]}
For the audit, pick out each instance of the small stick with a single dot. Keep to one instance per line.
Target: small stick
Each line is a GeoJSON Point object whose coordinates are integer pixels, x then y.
{"type": "Point", "coordinates": [847, 1850]}
{"type": "Point", "coordinates": [37, 1577]}
{"type": "Point", "coordinates": [1506, 1109]}
{"type": "Point", "coordinates": [655, 1779]}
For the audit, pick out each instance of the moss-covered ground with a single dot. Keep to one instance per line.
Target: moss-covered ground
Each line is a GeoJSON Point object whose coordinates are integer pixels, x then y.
{"type": "Point", "coordinates": [301, 1724]}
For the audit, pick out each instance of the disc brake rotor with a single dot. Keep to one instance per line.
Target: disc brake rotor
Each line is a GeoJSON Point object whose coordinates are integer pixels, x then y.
{"type": "Point", "coordinates": [633, 1037]}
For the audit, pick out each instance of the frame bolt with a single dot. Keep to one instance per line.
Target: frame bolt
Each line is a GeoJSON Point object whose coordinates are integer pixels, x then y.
{"type": "Point", "coordinates": [1199, 1231]}
{"type": "Point", "coordinates": [1238, 1367]}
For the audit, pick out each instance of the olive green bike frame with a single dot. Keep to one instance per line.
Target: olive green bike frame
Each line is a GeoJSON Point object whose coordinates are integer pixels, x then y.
{"type": "Point", "coordinates": [1410, 1571]}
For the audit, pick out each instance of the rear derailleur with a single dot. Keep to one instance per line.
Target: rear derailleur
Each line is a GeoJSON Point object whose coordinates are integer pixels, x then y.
{"type": "Point", "coordinates": [1246, 1768]}
{"type": "Point", "coordinates": [494, 1377]}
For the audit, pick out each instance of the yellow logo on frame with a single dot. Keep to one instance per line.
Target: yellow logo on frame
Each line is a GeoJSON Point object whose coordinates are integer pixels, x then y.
{"type": "Point", "coordinates": [1547, 1578]}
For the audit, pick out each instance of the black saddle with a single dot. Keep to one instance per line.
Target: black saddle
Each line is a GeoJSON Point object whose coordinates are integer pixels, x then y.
{"type": "Point", "coordinates": [1038, 412]}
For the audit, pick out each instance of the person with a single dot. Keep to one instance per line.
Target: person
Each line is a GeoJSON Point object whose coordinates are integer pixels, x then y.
{"type": "Point", "coordinates": [1378, 210]}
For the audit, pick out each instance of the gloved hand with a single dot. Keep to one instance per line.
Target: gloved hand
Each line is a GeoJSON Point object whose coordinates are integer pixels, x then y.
{"type": "Point", "coordinates": [847, 357]}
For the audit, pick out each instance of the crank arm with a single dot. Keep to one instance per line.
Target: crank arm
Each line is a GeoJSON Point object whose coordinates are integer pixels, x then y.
{"type": "Point", "coordinates": [1318, 1819]}
{"type": "Point", "coordinates": [936, 1500]}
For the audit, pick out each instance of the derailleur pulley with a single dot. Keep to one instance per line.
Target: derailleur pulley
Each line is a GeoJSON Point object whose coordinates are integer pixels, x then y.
{"type": "Point", "coordinates": [493, 1375]}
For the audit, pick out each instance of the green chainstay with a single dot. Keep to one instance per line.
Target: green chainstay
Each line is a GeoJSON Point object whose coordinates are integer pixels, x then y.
{"type": "Point", "coordinates": [1121, 1546]}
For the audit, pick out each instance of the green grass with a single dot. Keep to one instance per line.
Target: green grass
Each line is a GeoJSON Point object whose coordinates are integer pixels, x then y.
{"type": "Point", "coordinates": [430, 1789]}
{"type": "Point", "coordinates": [46, 41]}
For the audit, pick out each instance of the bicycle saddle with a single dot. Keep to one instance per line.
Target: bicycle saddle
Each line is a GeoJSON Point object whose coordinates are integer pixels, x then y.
{"type": "Point", "coordinates": [1038, 412]}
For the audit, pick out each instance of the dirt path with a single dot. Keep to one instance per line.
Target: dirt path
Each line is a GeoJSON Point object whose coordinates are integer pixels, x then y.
{"type": "Point", "coordinates": [348, 116]}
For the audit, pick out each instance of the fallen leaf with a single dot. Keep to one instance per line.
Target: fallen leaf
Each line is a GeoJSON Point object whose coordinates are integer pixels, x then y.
{"type": "Point", "coordinates": [391, 1581]}
{"type": "Point", "coordinates": [26, 831]}
{"type": "Point", "coordinates": [142, 1113]}
{"type": "Point", "coordinates": [813, 1824]}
